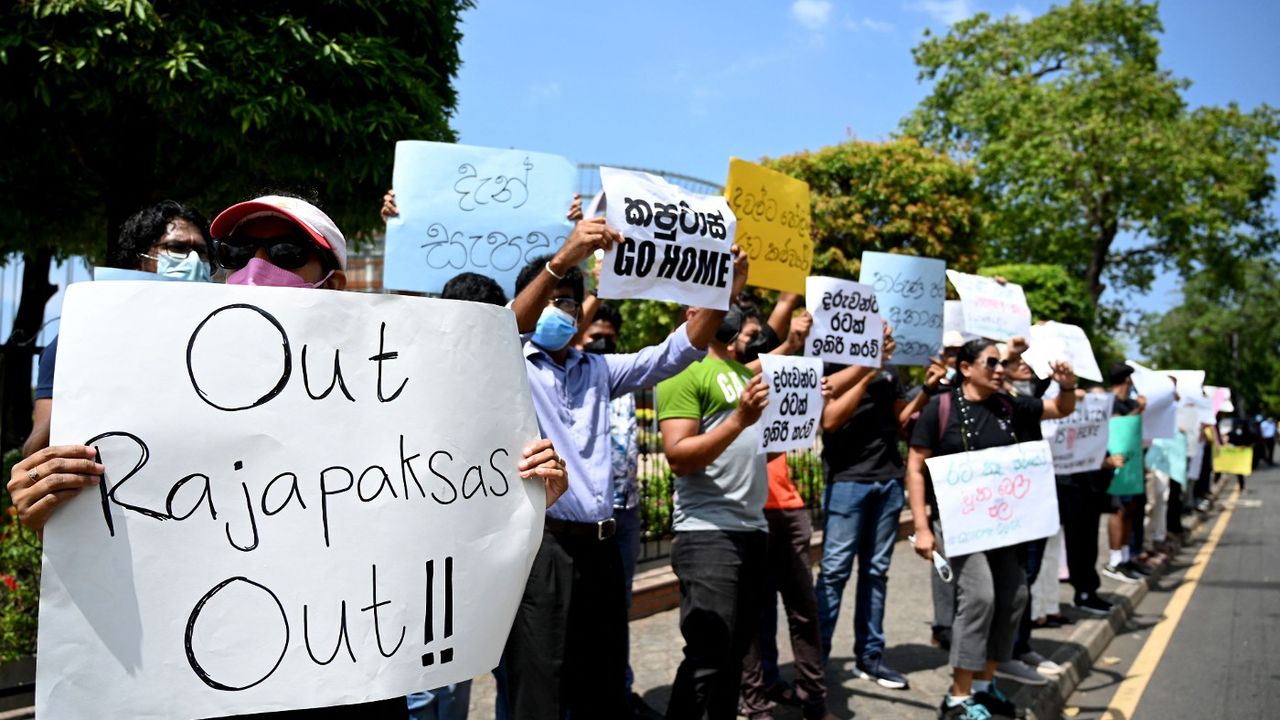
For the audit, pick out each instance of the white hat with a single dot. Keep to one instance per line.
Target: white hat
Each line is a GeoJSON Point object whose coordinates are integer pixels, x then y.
{"type": "Point", "coordinates": [302, 213]}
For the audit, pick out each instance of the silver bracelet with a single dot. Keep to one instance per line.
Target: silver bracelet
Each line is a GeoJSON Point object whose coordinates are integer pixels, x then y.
{"type": "Point", "coordinates": [552, 273]}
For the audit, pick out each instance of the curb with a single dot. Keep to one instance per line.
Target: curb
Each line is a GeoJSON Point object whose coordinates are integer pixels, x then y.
{"type": "Point", "coordinates": [1092, 636]}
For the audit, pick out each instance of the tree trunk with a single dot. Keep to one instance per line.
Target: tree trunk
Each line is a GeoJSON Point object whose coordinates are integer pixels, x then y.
{"type": "Point", "coordinates": [20, 348]}
{"type": "Point", "coordinates": [1098, 261]}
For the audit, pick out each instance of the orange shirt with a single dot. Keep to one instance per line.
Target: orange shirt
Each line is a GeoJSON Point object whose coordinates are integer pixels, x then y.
{"type": "Point", "coordinates": [782, 492]}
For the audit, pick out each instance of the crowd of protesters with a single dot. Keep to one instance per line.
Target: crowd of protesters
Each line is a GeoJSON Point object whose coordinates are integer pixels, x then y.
{"type": "Point", "coordinates": [742, 530]}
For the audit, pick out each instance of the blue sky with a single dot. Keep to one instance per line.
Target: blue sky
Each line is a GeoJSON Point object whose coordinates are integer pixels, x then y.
{"type": "Point", "coordinates": [682, 86]}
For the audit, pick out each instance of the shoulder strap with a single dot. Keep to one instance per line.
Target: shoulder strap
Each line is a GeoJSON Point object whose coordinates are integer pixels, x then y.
{"type": "Point", "coordinates": [944, 413]}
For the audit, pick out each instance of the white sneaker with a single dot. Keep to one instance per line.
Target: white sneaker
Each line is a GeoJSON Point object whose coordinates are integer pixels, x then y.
{"type": "Point", "coordinates": [1042, 664]}
{"type": "Point", "coordinates": [1019, 671]}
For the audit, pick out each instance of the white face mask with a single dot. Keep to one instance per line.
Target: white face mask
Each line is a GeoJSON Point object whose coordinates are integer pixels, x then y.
{"type": "Point", "coordinates": [189, 267]}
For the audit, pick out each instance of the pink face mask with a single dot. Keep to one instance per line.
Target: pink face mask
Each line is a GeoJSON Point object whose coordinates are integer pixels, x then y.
{"type": "Point", "coordinates": [261, 272]}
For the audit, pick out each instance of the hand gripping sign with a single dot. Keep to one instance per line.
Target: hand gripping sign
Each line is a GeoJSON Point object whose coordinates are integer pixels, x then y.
{"type": "Point", "coordinates": [793, 416]}
{"type": "Point", "coordinates": [311, 498]}
{"type": "Point", "coordinates": [675, 244]}
{"type": "Point", "coordinates": [847, 328]}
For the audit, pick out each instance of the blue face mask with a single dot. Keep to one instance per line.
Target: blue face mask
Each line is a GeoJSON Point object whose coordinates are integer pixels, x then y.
{"type": "Point", "coordinates": [555, 329]}
{"type": "Point", "coordinates": [189, 267]}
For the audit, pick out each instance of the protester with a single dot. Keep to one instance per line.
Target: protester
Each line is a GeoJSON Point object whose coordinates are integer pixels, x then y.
{"type": "Point", "coordinates": [991, 587]}
{"type": "Point", "coordinates": [719, 551]}
{"type": "Point", "coordinates": [1267, 429]}
{"type": "Point", "coordinates": [863, 500]}
{"type": "Point", "coordinates": [567, 648]}
{"type": "Point", "coordinates": [944, 593]}
{"type": "Point", "coordinates": [273, 241]}
{"type": "Point", "coordinates": [167, 239]}
{"type": "Point", "coordinates": [1122, 562]}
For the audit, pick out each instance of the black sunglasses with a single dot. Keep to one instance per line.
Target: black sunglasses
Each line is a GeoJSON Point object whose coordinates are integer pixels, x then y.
{"type": "Point", "coordinates": [289, 252]}
{"type": "Point", "coordinates": [993, 362]}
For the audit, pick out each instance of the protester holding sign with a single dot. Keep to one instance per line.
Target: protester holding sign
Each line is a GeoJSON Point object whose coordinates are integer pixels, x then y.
{"type": "Point", "coordinates": [863, 500]}
{"type": "Point", "coordinates": [991, 585]}
{"type": "Point", "coordinates": [706, 415]}
{"type": "Point", "coordinates": [1128, 497]}
{"type": "Point", "coordinates": [572, 623]}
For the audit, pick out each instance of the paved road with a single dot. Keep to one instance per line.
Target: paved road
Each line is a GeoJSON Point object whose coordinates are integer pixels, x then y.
{"type": "Point", "coordinates": [1223, 657]}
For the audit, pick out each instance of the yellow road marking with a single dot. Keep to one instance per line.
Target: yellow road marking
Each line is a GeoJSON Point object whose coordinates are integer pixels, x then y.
{"type": "Point", "coordinates": [1125, 701]}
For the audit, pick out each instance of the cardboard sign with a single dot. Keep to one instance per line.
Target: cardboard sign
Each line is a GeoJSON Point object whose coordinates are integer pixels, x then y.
{"type": "Point", "coordinates": [311, 498]}
{"type": "Point", "coordinates": [675, 243]}
{"type": "Point", "coordinates": [1054, 341]}
{"type": "Point", "coordinates": [996, 497]}
{"type": "Point", "coordinates": [773, 224]}
{"type": "Point", "coordinates": [992, 310]}
{"type": "Point", "coordinates": [473, 209]}
{"type": "Point", "coordinates": [793, 417]}
{"type": "Point", "coordinates": [1126, 439]}
{"type": "Point", "coordinates": [1160, 417]}
{"type": "Point", "coordinates": [1079, 441]}
{"type": "Point", "coordinates": [847, 328]}
{"type": "Point", "coordinates": [911, 291]}
{"type": "Point", "coordinates": [1233, 460]}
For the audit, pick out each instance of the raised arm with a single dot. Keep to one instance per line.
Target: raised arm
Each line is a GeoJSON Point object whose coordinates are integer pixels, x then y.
{"type": "Point", "coordinates": [689, 450]}
{"type": "Point", "coordinates": [1065, 403]}
{"type": "Point", "coordinates": [703, 325]}
{"type": "Point", "coordinates": [848, 387]}
{"type": "Point", "coordinates": [780, 318]}
{"type": "Point", "coordinates": [586, 238]}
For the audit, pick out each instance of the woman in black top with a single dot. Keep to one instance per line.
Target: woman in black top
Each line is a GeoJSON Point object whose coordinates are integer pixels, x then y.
{"type": "Point", "coordinates": [991, 585]}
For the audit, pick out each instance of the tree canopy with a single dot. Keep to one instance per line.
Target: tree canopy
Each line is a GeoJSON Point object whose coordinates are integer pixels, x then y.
{"type": "Point", "coordinates": [894, 196]}
{"type": "Point", "coordinates": [1079, 136]}
{"type": "Point", "coordinates": [1227, 330]}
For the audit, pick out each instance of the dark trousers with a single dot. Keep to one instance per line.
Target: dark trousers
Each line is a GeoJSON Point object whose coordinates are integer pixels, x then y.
{"type": "Point", "coordinates": [790, 573]}
{"type": "Point", "coordinates": [1205, 482]}
{"type": "Point", "coordinates": [1173, 513]}
{"type": "Point", "coordinates": [567, 651]}
{"type": "Point", "coordinates": [720, 575]}
{"type": "Point", "coordinates": [1032, 559]}
{"type": "Point", "coordinates": [1080, 510]}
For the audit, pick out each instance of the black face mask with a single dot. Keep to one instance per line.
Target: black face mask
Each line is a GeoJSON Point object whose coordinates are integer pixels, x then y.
{"type": "Point", "coordinates": [763, 343]}
{"type": "Point", "coordinates": [601, 346]}
{"type": "Point", "coordinates": [730, 326]}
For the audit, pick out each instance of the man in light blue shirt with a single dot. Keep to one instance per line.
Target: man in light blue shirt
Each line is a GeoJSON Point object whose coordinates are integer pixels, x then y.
{"type": "Point", "coordinates": [567, 648]}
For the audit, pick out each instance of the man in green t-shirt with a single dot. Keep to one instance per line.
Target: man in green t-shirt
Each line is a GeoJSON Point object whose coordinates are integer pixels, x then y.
{"type": "Point", "coordinates": [706, 414]}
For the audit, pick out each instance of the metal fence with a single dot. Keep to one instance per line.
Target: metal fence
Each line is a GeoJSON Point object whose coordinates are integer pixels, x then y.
{"type": "Point", "coordinates": [657, 483]}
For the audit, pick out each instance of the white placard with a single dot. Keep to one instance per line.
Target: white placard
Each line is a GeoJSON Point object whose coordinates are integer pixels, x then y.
{"type": "Point", "coordinates": [1190, 382]}
{"type": "Point", "coordinates": [847, 328]}
{"type": "Point", "coordinates": [953, 320]}
{"type": "Point", "coordinates": [992, 310]}
{"type": "Point", "coordinates": [794, 414]}
{"type": "Point", "coordinates": [1053, 341]}
{"type": "Point", "coordinates": [675, 243]}
{"type": "Point", "coordinates": [1079, 441]}
{"type": "Point", "coordinates": [996, 497]}
{"type": "Point", "coordinates": [1160, 418]}
{"type": "Point", "coordinates": [254, 549]}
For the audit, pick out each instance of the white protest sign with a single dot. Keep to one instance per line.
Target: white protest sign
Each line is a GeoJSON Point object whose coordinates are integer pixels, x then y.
{"type": "Point", "coordinates": [311, 498]}
{"type": "Point", "coordinates": [1160, 418]}
{"type": "Point", "coordinates": [1079, 441]}
{"type": "Point", "coordinates": [953, 320]}
{"type": "Point", "coordinates": [847, 328]}
{"type": "Point", "coordinates": [1053, 341]}
{"type": "Point", "coordinates": [1190, 382]}
{"type": "Point", "coordinates": [992, 310]}
{"type": "Point", "coordinates": [792, 418]}
{"type": "Point", "coordinates": [996, 497]}
{"type": "Point", "coordinates": [911, 291]}
{"type": "Point", "coordinates": [675, 243]}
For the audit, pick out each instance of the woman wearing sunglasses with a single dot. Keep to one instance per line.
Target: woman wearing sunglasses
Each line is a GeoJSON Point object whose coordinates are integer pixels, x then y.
{"type": "Point", "coordinates": [991, 588]}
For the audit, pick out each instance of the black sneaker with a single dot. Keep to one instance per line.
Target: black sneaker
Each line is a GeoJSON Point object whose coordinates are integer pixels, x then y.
{"type": "Point", "coordinates": [967, 710]}
{"type": "Point", "coordinates": [1091, 604]}
{"type": "Point", "coordinates": [1121, 572]}
{"type": "Point", "coordinates": [1139, 568]}
{"type": "Point", "coordinates": [997, 703]}
{"type": "Point", "coordinates": [885, 676]}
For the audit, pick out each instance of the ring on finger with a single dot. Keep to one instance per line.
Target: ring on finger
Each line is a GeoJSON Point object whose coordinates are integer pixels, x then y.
{"type": "Point", "coordinates": [35, 476]}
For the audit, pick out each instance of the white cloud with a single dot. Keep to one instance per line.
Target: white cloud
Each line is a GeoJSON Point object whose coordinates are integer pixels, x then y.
{"type": "Point", "coordinates": [944, 11]}
{"type": "Point", "coordinates": [877, 25]}
{"type": "Point", "coordinates": [1021, 12]}
{"type": "Point", "coordinates": [813, 14]}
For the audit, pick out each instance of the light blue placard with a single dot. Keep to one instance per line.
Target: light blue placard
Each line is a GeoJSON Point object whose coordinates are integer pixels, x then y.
{"type": "Point", "coordinates": [1169, 455]}
{"type": "Point", "coordinates": [473, 209]}
{"type": "Point", "coordinates": [911, 292]}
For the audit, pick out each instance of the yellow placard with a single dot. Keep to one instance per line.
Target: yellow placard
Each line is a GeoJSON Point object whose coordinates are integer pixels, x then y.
{"type": "Point", "coordinates": [1233, 460]}
{"type": "Point", "coordinates": [773, 224]}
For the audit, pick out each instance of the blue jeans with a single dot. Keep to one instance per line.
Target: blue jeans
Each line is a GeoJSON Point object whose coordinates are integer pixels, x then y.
{"type": "Point", "coordinates": [862, 521]}
{"type": "Point", "coordinates": [447, 703]}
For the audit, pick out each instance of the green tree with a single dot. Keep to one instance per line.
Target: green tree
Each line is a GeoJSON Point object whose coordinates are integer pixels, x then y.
{"type": "Point", "coordinates": [1229, 331]}
{"type": "Point", "coordinates": [107, 105]}
{"type": "Point", "coordinates": [1078, 136]}
{"type": "Point", "coordinates": [894, 196]}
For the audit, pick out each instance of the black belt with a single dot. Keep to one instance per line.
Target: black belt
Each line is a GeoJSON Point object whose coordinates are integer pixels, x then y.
{"type": "Point", "coordinates": [602, 530]}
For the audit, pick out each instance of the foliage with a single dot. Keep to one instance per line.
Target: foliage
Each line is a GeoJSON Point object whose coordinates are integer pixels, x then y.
{"type": "Point", "coordinates": [890, 197]}
{"type": "Point", "coordinates": [19, 580]}
{"type": "Point", "coordinates": [1078, 135]}
{"type": "Point", "coordinates": [1229, 331]}
{"type": "Point", "coordinates": [107, 105]}
{"type": "Point", "coordinates": [646, 322]}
